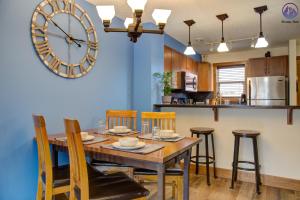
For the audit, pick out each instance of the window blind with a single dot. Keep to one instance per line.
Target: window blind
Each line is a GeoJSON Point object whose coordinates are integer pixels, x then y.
{"type": "Point", "coordinates": [231, 81]}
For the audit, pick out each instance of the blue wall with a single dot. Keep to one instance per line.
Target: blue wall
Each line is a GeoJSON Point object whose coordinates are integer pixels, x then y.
{"type": "Point", "coordinates": [148, 58]}
{"type": "Point", "coordinates": [27, 87]}
{"type": "Point", "coordinates": [175, 44]}
{"type": "Point", "coordinates": [121, 79]}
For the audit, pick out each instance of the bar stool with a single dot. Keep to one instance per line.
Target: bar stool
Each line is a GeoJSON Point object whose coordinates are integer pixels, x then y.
{"type": "Point", "coordinates": [245, 134]}
{"type": "Point", "coordinates": [208, 159]}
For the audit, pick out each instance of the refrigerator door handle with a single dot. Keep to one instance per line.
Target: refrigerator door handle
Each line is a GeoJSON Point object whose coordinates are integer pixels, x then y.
{"type": "Point", "coordinates": [249, 89]}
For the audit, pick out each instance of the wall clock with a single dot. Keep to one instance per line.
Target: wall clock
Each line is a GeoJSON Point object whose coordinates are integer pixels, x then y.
{"type": "Point", "coordinates": [64, 37]}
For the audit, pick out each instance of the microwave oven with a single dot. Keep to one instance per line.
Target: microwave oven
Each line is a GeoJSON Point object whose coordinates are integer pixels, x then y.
{"type": "Point", "coordinates": [184, 81]}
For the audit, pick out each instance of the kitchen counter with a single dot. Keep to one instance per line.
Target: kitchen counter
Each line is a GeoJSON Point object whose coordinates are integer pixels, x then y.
{"type": "Point", "coordinates": [238, 106]}
{"type": "Point", "coordinates": [216, 108]}
{"type": "Point", "coordinates": [278, 142]}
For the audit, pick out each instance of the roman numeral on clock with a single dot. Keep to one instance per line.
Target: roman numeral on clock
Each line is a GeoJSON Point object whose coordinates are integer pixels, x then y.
{"type": "Point", "coordinates": [55, 63]}
{"type": "Point", "coordinates": [91, 59]}
{"type": "Point", "coordinates": [54, 4]}
{"type": "Point", "coordinates": [93, 45]}
{"type": "Point", "coordinates": [43, 48]}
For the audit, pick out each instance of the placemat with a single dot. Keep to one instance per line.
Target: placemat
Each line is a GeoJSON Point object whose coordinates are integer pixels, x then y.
{"type": "Point", "coordinates": [149, 148]}
{"type": "Point", "coordinates": [149, 137]}
{"type": "Point", "coordinates": [96, 140]}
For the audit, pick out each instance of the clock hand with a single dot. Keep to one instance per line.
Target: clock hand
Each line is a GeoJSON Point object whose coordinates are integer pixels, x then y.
{"type": "Point", "coordinates": [70, 37]}
{"type": "Point", "coordinates": [79, 40]}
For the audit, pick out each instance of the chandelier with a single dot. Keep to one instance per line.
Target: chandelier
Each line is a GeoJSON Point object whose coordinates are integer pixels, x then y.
{"type": "Point", "coordinates": [133, 26]}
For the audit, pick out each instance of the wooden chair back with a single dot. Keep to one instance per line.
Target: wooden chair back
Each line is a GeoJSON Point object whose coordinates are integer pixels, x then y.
{"type": "Point", "coordinates": [78, 167]}
{"type": "Point", "coordinates": [121, 118]}
{"type": "Point", "coordinates": [163, 120]}
{"type": "Point", "coordinates": [44, 155]}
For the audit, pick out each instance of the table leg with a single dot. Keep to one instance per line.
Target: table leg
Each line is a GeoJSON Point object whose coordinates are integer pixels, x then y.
{"type": "Point", "coordinates": [55, 155]}
{"type": "Point", "coordinates": [186, 171]}
{"type": "Point", "coordinates": [161, 182]}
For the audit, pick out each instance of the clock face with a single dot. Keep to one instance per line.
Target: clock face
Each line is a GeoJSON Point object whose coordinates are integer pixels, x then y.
{"type": "Point", "coordinates": [64, 37]}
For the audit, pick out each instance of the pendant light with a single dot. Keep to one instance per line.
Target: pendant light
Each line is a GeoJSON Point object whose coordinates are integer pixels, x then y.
{"type": "Point", "coordinates": [222, 46]}
{"type": "Point", "coordinates": [189, 49]}
{"type": "Point", "coordinates": [261, 41]}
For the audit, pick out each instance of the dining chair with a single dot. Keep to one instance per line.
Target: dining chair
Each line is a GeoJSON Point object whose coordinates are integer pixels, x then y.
{"type": "Point", "coordinates": [116, 186]}
{"type": "Point", "coordinates": [121, 118]}
{"type": "Point", "coordinates": [118, 118]}
{"type": "Point", "coordinates": [174, 175]}
{"type": "Point", "coordinates": [52, 181]}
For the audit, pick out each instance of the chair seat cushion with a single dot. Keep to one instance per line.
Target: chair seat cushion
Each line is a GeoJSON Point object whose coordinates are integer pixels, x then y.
{"type": "Point", "coordinates": [117, 186]}
{"type": "Point", "coordinates": [61, 175]}
{"type": "Point", "coordinates": [174, 171]}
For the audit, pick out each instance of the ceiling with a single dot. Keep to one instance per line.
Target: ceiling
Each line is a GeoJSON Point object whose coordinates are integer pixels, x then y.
{"type": "Point", "coordinates": [242, 23]}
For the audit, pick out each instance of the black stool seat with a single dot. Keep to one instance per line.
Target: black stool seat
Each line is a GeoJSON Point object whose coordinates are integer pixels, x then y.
{"type": "Point", "coordinates": [208, 159]}
{"type": "Point", "coordinates": [246, 133]}
{"type": "Point", "coordinates": [250, 134]}
{"type": "Point", "coordinates": [202, 130]}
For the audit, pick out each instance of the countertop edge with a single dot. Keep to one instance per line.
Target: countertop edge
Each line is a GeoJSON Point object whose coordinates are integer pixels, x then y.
{"type": "Point", "coordinates": [223, 106]}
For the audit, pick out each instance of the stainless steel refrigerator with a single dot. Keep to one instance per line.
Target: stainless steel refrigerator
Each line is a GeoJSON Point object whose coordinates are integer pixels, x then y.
{"type": "Point", "coordinates": [268, 90]}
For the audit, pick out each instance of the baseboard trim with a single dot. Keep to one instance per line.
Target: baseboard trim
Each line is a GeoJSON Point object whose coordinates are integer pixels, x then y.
{"type": "Point", "coordinates": [273, 181]}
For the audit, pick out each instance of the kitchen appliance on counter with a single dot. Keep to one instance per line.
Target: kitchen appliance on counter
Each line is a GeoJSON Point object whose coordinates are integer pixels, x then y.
{"type": "Point", "coordinates": [268, 90]}
{"type": "Point", "coordinates": [184, 81]}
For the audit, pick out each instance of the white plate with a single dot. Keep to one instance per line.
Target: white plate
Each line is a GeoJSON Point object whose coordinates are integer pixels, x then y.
{"type": "Point", "coordinates": [118, 132]}
{"type": "Point", "coordinates": [138, 146]}
{"type": "Point", "coordinates": [88, 138]}
{"type": "Point", "coordinates": [174, 135]}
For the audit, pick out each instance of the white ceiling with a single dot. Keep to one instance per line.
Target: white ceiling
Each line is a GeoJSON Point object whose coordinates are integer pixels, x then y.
{"type": "Point", "coordinates": [242, 23]}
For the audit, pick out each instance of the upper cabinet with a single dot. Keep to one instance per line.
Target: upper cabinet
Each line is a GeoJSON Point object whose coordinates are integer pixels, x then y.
{"type": "Point", "coordinates": [175, 61]}
{"type": "Point", "coordinates": [168, 59]}
{"type": "Point", "coordinates": [191, 66]}
{"type": "Point", "coordinates": [272, 66]}
{"type": "Point", "coordinates": [205, 77]}
{"type": "Point", "coordinates": [178, 61]}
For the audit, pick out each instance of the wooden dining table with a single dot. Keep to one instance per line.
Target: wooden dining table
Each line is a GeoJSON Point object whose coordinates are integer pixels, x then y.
{"type": "Point", "coordinates": [159, 160]}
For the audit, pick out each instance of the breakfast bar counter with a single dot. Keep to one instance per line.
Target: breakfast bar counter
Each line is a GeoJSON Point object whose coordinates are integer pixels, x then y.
{"type": "Point", "coordinates": [216, 108]}
{"type": "Point", "coordinates": [278, 143]}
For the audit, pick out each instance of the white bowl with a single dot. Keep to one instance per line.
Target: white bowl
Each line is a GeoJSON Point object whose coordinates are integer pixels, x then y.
{"type": "Point", "coordinates": [166, 133]}
{"type": "Point", "coordinates": [84, 134]}
{"type": "Point", "coordinates": [120, 128]}
{"type": "Point", "coordinates": [128, 141]}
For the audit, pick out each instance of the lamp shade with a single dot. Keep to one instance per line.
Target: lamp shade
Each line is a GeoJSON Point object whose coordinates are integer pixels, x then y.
{"type": "Point", "coordinates": [106, 12]}
{"type": "Point", "coordinates": [222, 47]}
{"type": "Point", "coordinates": [261, 42]}
{"type": "Point", "coordinates": [189, 51]}
{"type": "Point", "coordinates": [128, 21]}
{"type": "Point", "coordinates": [161, 16]}
{"type": "Point", "coordinates": [137, 4]}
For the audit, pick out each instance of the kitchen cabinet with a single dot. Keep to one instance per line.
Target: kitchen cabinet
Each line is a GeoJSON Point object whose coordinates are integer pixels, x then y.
{"type": "Point", "coordinates": [272, 66]}
{"type": "Point", "coordinates": [205, 77]}
{"type": "Point", "coordinates": [178, 61]}
{"type": "Point", "coordinates": [191, 66]}
{"type": "Point", "coordinates": [278, 66]}
{"type": "Point", "coordinates": [167, 59]}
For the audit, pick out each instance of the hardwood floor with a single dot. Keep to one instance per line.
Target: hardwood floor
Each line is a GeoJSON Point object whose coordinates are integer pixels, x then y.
{"type": "Point", "coordinates": [219, 190]}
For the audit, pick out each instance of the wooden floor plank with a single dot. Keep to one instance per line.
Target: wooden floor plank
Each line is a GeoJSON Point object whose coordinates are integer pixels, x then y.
{"type": "Point", "coordinates": [220, 190]}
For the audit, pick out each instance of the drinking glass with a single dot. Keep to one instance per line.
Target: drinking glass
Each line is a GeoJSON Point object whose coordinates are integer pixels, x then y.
{"type": "Point", "coordinates": [155, 132]}
{"type": "Point", "coordinates": [101, 126]}
{"type": "Point", "coordinates": [145, 129]}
